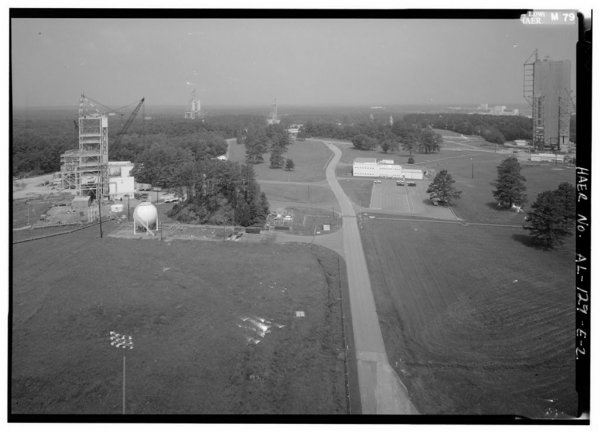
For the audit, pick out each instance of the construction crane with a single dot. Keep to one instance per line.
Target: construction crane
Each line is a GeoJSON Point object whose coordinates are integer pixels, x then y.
{"type": "Point", "coordinates": [130, 120]}
{"type": "Point", "coordinates": [88, 105]}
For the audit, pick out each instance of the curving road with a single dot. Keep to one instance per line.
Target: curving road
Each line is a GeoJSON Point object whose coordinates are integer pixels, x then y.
{"type": "Point", "coordinates": [381, 390]}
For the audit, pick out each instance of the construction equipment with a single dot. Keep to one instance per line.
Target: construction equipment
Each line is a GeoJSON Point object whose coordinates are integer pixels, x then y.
{"type": "Point", "coordinates": [85, 169]}
{"type": "Point", "coordinates": [128, 123]}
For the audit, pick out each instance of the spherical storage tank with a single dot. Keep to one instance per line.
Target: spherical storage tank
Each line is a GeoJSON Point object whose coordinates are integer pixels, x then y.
{"type": "Point", "coordinates": [145, 214]}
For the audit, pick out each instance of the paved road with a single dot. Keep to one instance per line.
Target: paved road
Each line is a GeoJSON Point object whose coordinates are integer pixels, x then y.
{"type": "Point", "coordinates": [381, 391]}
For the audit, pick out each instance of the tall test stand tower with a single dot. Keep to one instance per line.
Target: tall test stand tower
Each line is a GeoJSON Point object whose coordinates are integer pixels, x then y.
{"type": "Point", "coordinates": [547, 90]}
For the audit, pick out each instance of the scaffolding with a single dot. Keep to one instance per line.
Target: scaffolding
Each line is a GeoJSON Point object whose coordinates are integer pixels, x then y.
{"type": "Point", "coordinates": [534, 101]}
{"type": "Point", "coordinates": [85, 170]}
{"type": "Point", "coordinates": [566, 107]}
{"type": "Point", "coordinates": [273, 118]}
{"type": "Point", "coordinates": [528, 77]}
{"type": "Point", "coordinates": [196, 111]}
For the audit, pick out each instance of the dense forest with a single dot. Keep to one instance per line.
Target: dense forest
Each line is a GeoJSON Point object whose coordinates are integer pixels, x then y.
{"type": "Point", "coordinates": [40, 137]}
{"type": "Point", "coordinates": [368, 136]}
{"type": "Point", "coordinates": [495, 129]}
{"type": "Point", "coordinates": [260, 139]}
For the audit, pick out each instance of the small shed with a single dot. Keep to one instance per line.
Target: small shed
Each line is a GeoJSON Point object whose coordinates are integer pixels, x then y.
{"type": "Point", "coordinates": [326, 228]}
{"type": "Point", "coordinates": [81, 202]}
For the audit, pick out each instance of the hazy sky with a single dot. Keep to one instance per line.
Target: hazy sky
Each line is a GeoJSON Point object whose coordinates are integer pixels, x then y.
{"type": "Point", "coordinates": [300, 62]}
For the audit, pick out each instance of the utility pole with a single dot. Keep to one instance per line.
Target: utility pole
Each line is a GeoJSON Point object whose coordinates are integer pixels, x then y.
{"type": "Point", "coordinates": [99, 198]}
{"type": "Point", "coordinates": [472, 169]}
{"type": "Point", "coordinates": [124, 383]}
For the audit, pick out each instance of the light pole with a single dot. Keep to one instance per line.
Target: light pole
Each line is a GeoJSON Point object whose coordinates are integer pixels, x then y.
{"type": "Point", "coordinates": [472, 169]}
{"type": "Point", "coordinates": [124, 342]}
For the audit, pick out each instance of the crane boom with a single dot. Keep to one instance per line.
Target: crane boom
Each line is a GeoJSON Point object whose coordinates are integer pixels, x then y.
{"type": "Point", "coordinates": [128, 122]}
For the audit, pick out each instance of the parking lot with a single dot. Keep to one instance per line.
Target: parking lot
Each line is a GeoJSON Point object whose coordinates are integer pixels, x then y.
{"type": "Point", "coordinates": [412, 200]}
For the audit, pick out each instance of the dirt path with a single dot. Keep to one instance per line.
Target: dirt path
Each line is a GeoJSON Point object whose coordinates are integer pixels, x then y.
{"type": "Point", "coordinates": [381, 390]}
{"type": "Point", "coordinates": [32, 187]}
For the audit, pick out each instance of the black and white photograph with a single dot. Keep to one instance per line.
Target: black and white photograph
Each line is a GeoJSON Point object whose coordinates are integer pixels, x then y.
{"type": "Point", "coordinates": [299, 215]}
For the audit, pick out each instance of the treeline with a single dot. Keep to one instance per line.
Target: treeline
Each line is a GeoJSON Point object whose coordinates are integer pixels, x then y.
{"type": "Point", "coordinates": [38, 140]}
{"type": "Point", "coordinates": [369, 136]}
{"type": "Point", "coordinates": [260, 139]}
{"type": "Point", "coordinates": [38, 144]}
{"type": "Point", "coordinates": [202, 144]}
{"type": "Point", "coordinates": [216, 192]}
{"type": "Point", "coordinates": [494, 129]}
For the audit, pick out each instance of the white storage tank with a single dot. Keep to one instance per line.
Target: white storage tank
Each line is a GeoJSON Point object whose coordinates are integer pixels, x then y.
{"type": "Point", "coordinates": [145, 215]}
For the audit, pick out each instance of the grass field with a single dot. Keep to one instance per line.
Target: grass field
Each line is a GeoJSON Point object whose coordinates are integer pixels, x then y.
{"type": "Point", "coordinates": [474, 321]}
{"type": "Point", "coordinates": [310, 158]}
{"type": "Point", "coordinates": [317, 196]}
{"type": "Point", "coordinates": [188, 306]}
{"type": "Point", "coordinates": [474, 173]}
{"type": "Point", "coordinates": [477, 202]}
{"type": "Point", "coordinates": [358, 190]}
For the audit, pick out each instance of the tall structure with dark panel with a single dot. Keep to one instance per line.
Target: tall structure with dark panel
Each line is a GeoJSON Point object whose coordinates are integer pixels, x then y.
{"type": "Point", "coordinates": [547, 89]}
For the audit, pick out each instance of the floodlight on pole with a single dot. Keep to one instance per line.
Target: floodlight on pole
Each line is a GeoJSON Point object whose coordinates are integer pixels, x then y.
{"type": "Point", "coordinates": [124, 342]}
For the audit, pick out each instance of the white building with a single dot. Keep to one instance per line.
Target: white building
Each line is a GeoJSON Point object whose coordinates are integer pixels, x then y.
{"type": "Point", "coordinates": [387, 169]}
{"type": "Point", "coordinates": [553, 158]}
{"type": "Point", "coordinates": [383, 169]}
{"type": "Point", "coordinates": [293, 131]}
{"type": "Point", "coordinates": [120, 183]}
{"type": "Point", "coordinates": [365, 167]}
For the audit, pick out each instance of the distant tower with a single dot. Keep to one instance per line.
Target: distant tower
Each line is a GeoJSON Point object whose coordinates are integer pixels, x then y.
{"type": "Point", "coordinates": [371, 117]}
{"type": "Point", "coordinates": [547, 89]}
{"type": "Point", "coordinates": [273, 119]}
{"type": "Point", "coordinates": [195, 112]}
{"type": "Point", "coordinates": [391, 121]}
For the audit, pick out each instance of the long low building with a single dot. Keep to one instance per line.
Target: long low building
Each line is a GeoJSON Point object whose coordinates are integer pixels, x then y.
{"type": "Point", "coordinates": [383, 169]}
{"type": "Point", "coordinates": [553, 158]}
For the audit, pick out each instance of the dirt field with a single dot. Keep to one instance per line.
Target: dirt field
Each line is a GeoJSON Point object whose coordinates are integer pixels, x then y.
{"type": "Point", "coordinates": [474, 321]}
{"type": "Point", "coordinates": [310, 221]}
{"type": "Point", "coordinates": [193, 309]}
{"type": "Point", "coordinates": [32, 187]}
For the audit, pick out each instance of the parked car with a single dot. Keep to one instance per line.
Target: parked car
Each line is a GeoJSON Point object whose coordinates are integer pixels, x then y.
{"type": "Point", "coordinates": [170, 197]}
{"type": "Point", "coordinates": [400, 183]}
{"type": "Point", "coordinates": [377, 181]}
{"type": "Point", "coordinates": [411, 184]}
